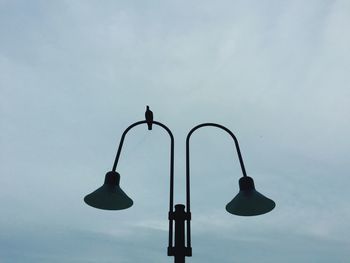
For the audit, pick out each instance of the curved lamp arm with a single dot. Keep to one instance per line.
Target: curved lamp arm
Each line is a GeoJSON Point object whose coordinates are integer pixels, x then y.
{"type": "Point", "coordinates": [188, 208]}
{"type": "Point", "coordinates": [171, 199]}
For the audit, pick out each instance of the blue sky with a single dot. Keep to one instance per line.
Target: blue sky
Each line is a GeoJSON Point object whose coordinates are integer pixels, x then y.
{"type": "Point", "coordinates": [75, 74]}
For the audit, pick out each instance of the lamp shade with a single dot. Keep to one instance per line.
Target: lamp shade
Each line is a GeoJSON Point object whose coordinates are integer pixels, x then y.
{"type": "Point", "coordinates": [249, 202]}
{"type": "Point", "coordinates": [109, 196]}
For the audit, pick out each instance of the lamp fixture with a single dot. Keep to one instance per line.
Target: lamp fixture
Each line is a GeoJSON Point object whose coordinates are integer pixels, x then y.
{"type": "Point", "coordinates": [248, 202]}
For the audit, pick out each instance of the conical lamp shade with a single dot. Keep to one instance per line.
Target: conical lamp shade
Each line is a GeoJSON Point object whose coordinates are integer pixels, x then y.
{"type": "Point", "coordinates": [109, 196]}
{"type": "Point", "coordinates": [249, 202]}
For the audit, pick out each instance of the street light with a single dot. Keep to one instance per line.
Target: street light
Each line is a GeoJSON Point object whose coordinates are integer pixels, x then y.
{"type": "Point", "coordinates": [248, 202]}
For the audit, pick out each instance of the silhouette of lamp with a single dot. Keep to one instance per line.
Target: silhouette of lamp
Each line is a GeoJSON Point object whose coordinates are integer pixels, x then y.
{"type": "Point", "coordinates": [109, 196]}
{"type": "Point", "coordinates": [248, 202]}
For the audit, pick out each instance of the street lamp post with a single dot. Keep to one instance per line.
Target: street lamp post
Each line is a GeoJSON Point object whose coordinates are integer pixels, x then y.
{"type": "Point", "coordinates": [248, 202]}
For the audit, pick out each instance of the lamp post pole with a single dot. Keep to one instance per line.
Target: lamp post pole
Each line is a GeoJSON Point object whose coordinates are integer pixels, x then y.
{"type": "Point", "coordinates": [248, 202]}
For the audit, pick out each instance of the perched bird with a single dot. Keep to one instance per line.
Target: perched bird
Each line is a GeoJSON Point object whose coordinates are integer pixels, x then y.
{"type": "Point", "coordinates": [149, 117]}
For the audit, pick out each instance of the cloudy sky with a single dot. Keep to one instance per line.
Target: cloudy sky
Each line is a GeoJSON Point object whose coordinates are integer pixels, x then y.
{"type": "Point", "coordinates": [75, 74]}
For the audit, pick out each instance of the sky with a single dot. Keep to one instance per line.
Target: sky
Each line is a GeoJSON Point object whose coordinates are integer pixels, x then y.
{"type": "Point", "coordinates": [75, 74]}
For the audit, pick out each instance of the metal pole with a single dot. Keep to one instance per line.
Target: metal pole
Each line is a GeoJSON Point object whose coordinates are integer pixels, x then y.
{"type": "Point", "coordinates": [188, 201]}
{"type": "Point", "coordinates": [171, 198]}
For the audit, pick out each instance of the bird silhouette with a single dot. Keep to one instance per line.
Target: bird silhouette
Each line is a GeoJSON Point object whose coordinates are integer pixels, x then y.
{"type": "Point", "coordinates": [149, 117]}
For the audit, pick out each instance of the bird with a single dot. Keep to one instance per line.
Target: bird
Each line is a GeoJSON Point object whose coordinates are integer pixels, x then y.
{"type": "Point", "coordinates": [149, 117]}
